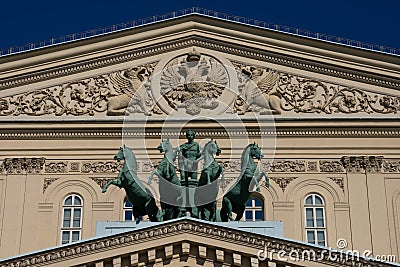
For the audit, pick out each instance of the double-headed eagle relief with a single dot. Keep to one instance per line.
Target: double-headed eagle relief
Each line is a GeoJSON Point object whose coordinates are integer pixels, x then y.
{"type": "Point", "coordinates": [193, 82]}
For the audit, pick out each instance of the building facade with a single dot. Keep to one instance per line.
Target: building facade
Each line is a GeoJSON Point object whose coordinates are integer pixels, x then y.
{"type": "Point", "coordinates": [325, 115]}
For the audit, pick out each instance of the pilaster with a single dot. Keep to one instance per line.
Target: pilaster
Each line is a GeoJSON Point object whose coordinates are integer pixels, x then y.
{"type": "Point", "coordinates": [359, 203]}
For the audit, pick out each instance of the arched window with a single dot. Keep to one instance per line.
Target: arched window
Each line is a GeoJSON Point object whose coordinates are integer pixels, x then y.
{"type": "Point", "coordinates": [71, 228]}
{"type": "Point", "coordinates": [128, 215]}
{"type": "Point", "coordinates": [254, 209]}
{"type": "Point", "coordinates": [314, 208]}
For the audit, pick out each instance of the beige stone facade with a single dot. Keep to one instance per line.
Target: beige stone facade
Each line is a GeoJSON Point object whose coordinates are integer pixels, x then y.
{"type": "Point", "coordinates": [325, 115]}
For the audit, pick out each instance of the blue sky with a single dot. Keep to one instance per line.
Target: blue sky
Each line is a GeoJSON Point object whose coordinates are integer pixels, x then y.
{"type": "Point", "coordinates": [374, 22]}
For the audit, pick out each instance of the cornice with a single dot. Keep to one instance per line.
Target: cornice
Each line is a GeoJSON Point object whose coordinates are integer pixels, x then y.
{"type": "Point", "coordinates": [16, 134]}
{"type": "Point", "coordinates": [192, 227]}
{"type": "Point", "coordinates": [209, 43]}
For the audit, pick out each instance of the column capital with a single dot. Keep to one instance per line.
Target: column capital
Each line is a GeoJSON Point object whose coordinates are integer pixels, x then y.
{"type": "Point", "coordinates": [360, 164]}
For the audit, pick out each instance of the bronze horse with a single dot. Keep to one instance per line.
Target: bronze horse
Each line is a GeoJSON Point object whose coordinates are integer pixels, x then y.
{"type": "Point", "coordinates": [236, 198]}
{"type": "Point", "coordinates": [207, 189]}
{"type": "Point", "coordinates": [169, 185]}
{"type": "Point", "coordinates": [142, 201]}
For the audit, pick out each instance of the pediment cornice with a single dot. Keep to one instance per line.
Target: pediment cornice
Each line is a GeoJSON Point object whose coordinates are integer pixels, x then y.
{"type": "Point", "coordinates": [187, 231]}
{"type": "Point", "coordinates": [379, 76]}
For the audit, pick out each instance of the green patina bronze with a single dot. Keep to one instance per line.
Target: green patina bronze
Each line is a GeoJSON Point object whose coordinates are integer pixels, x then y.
{"type": "Point", "coordinates": [173, 196]}
{"type": "Point", "coordinates": [169, 184]}
{"type": "Point", "coordinates": [236, 198]}
{"type": "Point", "coordinates": [211, 172]}
{"type": "Point", "coordinates": [188, 160]}
{"type": "Point", "coordinates": [142, 200]}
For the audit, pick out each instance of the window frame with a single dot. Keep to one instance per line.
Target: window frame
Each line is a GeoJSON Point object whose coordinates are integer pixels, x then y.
{"type": "Point", "coordinates": [314, 228]}
{"type": "Point", "coordinates": [254, 208]}
{"type": "Point", "coordinates": [71, 229]}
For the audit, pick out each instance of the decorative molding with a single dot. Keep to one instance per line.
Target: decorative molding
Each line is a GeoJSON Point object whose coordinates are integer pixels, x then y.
{"type": "Point", "coordinates": [101, 181]}
{"type": "Point", "coordinates": [74, 167]}
{"type": "Point", "coordinates": [283, 182]}
{"type": "Point", "coordinates": [284, 166]}
{"type": "Point", "coordinates": [193, 82]}
{"type": "Point", "coordinates": [265, 89]}
{"type": "Point", "coordinates": [312, 166]}
{"type": "Point", "coordinates": [109, 93]}
{"type": "Point", "coordinates": [23, 165]}
{"type": "Point", "coordinates": [357, 164]}
{"type": "Point", "coordinates": [117, 133]}
{"type": "Point", "coordinates": [339, 181]}
{"type": "Point", "coordinates": [330, 166]}
{"type": "Point", "coordinates": [231, 165]}
{"type": "Point", "coordinates": [56, 167]}
{"type": "Point", "coordinates": [391, 166]}
{"type": "Point", "coordinates": [186, 226]}
{"type": "Point", "coordinates": [100, 166]}
{"type": "Point", "coordinates": [208, 43]}
{"type": "Point", "coordinates": [47, 182]}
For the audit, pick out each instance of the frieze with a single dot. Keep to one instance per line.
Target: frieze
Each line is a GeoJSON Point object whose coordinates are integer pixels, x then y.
{"type": "Point", "coordinates": [265, 90]}
{"type": "Point", "coordinates": [56, 167]}
{"type": "Point", "coordinates": [312, 166]}
{"type": "Point", "coordinates": [74, 166]}
{"type": "Point", "coordinates": [284, 166]}
{"type": "Point", "coordinates": [357, 164]}
{"type": "Point", "coordinates": [47, 182]}
{"type": "Point", "coordinates": [23, 165]}
{"type": "Point", "coordinates": [108, 93]}
{"type": "Point", "coordinates": [283, 182]}
{"type": "Point", "coordinates": [330, 166]}
{"type": "Point", "coordinates": [101, 166]}
{"type": "Point", "coordinates": [231, 165]}
{"type": "Point", "coordinates": [391, 165]}
{"type": "Point", "coordinates": [194, 228]}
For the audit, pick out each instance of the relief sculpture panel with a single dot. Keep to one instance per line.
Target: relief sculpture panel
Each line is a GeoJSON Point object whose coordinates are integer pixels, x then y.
{"type": "Point", "coordinates": [193, 83]}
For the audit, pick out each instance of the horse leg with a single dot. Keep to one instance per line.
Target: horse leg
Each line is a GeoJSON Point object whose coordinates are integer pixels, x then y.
{"type": "Point", "coordinates": [226, 210]}
{"type": "Point", "coordinates": [151, 176]}
{"type": "Point", "coordinates": [266, 179]}
{"type": "Point", "coordinates": [152, 210]}
{"type": "Point", "coordinates": [169, 211]}
{"type": "Point", "coordinates": [213, 211]}
{"type": "Point", "coordinates": [136, 215]}
{"type": "Point", "coordinates": [239, 212]}
{"type": "Point", "coordinates": [116, 182]}
{"type": "Point", "coordinates": [221, 171]}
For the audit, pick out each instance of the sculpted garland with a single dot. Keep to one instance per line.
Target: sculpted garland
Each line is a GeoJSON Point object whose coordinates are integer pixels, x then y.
{"type": "Point", "coordinates": [264, 90]}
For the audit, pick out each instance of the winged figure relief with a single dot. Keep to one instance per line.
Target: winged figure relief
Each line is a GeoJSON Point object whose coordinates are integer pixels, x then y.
{"type": "Point", "coordinates": [193, 84]}
{"type": "Point", "coordinates": [258, 91]}
{"type": "Point", "coordinates": [126, 97]}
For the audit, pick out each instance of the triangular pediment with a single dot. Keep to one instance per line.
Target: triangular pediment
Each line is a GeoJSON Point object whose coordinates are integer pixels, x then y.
{"type": "Point", "coordinates": [145, 72]}
{"type": "Point", "coordinates": [186, 242]}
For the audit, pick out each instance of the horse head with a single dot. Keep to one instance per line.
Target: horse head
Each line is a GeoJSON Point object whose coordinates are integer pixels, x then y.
{"type": "Point", "coordinates": [255, 151]}
{"type": "Point", "coordinates": [120, 154]}
{"type": "Point", "coordinates": [212, 148]}
{"type": "Point", "coordinates": [165, 146]}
